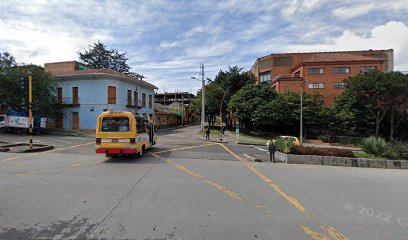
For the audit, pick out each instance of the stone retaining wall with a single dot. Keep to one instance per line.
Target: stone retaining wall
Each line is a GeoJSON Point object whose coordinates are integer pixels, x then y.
{"type": "Point", "coordinates": [340, 161]}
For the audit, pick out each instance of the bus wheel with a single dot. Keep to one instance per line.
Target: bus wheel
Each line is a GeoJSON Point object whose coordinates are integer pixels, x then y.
{"type": "Point", "coordinates": [140, 154]}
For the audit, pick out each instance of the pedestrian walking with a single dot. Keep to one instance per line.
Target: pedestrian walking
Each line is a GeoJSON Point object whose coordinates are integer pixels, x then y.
{"type": "Point", "coordinates": [223, 130]}
{"type": "Point", "coordinates": [272, 150]}
{"type": "Point", "coordinates": [207, 134]}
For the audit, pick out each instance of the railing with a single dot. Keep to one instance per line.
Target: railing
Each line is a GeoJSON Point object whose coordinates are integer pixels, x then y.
{"type": "Point", "coordinates": [69, 101]}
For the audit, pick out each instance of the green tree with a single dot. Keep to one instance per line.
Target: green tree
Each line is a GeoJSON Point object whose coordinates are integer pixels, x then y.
{"type": "Point", "coordinates": [399, 101]}
{"type": "Point", "coordinates": [246, 102]}
{"type": "Point", "coordinates": [234, 79]}
{"type": "Point", "coordinates": [224, 85]}
{"type": "Point", "coordinates": [44, 87]}
{"type": "Point", "coordinates": [7, 61]}
{"type": "Point", "coordinates": [98, 56]}
{"type": "Point", "coordinates": [313, 110]}
{"type": "Point", "coordinates": [377, 93]}
{"type": "Point", "coordinates": [213, 98]}
{"type": "Point", "coordinates": [274, 112]}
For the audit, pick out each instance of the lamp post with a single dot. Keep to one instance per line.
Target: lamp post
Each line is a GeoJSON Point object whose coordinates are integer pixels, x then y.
{"type": "Point", "coordinates": [202, 97]}
{"type": "Point", "coordinates": [302, 88]}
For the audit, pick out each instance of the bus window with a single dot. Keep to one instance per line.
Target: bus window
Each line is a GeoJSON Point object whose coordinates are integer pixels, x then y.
{"type": "Point", "coordinates": [115, 124]}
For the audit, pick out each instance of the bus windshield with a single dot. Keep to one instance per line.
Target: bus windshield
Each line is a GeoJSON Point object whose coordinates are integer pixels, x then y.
{"type": "Point", "coordinates": [115, 124]}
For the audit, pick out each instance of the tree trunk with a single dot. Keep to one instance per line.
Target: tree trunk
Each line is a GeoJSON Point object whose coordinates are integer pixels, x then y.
{"type": "Point", "coordinates": [392, 125]}
{"type": "Point", "coordinates": [377, 124]}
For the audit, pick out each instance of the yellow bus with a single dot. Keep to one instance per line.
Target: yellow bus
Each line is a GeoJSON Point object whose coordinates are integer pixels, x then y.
{"type": "Point", "coordinates": [122, 133]}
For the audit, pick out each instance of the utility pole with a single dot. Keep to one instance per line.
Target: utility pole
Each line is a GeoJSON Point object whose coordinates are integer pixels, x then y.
{"type": "Point", "coordinates": [301, 113]}
{"type": "Point", "coordinates": [202, 99]}
{"type": "Point", "coordinates": [182, 110]}
{"type": "Point", "coordinates": [30, 109]}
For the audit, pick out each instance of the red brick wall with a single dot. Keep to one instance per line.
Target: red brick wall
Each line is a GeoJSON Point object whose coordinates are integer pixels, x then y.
{"type": "Point", "coordinates": [61, 67]}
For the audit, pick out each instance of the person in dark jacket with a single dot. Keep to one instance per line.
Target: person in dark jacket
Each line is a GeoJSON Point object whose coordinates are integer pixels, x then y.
{"type": "Point", "coordinates": [272, 150]}
{"type": "Point", "coordinates": [207, 134]}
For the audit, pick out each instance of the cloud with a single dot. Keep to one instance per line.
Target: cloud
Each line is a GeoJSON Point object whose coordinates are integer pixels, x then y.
{"type": "Point", "coordinates": [392, 35]}
{"type": "Point", "coordinates": [357, 8]}
{"type": "Point", "coordinates": [167, 42]}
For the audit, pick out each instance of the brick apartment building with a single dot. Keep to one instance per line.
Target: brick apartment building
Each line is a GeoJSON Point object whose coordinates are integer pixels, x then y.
{"type": "Point", "coordinates": [322, 72]}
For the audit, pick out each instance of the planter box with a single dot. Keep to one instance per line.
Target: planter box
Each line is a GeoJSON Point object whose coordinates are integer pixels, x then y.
{"type": "Point", "coordinates": [340, 161]}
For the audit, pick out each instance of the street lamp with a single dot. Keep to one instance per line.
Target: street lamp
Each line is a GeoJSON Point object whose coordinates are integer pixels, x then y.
{"type": "Point", "coordinates": [202, 97]}
{"type": "Point", "coordinates": [302, 88]}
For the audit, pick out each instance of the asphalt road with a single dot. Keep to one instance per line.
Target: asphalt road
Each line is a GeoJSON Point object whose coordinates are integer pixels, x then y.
{"type": "Point", "coordinates": [191, 189]}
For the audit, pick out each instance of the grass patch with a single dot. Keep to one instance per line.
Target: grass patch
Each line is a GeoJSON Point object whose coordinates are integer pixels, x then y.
{"type": "Point", "coordinates": [257, 136]}
{"type": "Point", "coordinates": [366, 155]}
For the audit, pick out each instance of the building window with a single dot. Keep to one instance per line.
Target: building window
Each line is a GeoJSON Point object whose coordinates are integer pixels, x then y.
{"type": "Point", "coordinates": [283, 61]}
{"type": "Point", "coordinates": [265, 77]}
{"type": "Point", "coordinates": [135, 98]}
{"type": "Point", "coordinates": [316, 70]}
{"type": "Point", "coordinates": [339, 85]}
{"type": "Point", "coordinates": [111, 95]}
{"type": "Point", "coordinates": [143, 99]}
{"type": "Point", "coordinates": [341, 70]}
{"type": "Point", "coordinates": [129, 97]}
{"type": "Point", "coordinates": [75, 95]}
{"type": "Point", "coordinates": [316, 85]}
{"type": "Point", "coordinates": [265, 64]}
{"type": "Point", "coordinates": [59, 95]}
{"type": "Point", "coordinates": [367, 69]}
{"type": "Point", "coordinates": [150, 101]}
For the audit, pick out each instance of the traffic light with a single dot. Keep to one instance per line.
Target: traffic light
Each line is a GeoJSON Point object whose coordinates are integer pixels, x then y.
{"type": "Point", "coordinates": [24, 92]}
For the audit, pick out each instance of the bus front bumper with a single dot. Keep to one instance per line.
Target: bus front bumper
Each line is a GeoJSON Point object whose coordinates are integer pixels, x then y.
{"type": "Point", "coordinates": [116, 150]}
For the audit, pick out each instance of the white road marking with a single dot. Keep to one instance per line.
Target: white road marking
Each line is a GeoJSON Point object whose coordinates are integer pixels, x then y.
{"type": "Point", "coordinates": [261, 149]}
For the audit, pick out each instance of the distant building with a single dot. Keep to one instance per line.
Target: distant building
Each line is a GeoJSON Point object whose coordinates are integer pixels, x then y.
{"type": "Point", "coordinates": [322, 72]}
{"type": "Point", "coordinates": [168, 97]}
{"type": "Point", "coordinates": [85, 93]}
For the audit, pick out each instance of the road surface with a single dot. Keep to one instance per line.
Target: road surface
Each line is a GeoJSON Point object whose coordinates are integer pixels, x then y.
{"type": "Point", "coordinates": [192, 189]}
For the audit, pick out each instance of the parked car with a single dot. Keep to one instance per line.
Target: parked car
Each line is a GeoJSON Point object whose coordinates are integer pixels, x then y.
{"type": "Point", "coordinates": [286, 138]}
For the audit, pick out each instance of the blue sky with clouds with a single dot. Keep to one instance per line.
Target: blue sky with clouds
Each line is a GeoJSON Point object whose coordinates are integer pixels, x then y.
{"type": "Point", "coordinates": [166, 40]}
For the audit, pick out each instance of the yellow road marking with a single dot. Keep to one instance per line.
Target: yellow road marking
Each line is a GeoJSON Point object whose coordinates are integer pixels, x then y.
{"type": "Point", "coordinates": [289, 198]}
{"type": "Point", "coordinates": [314, 235]}
{"type": "Point", "coordinates": [35, 171]}
{"type": "Point", "coordinates": [176, 149]}
{"type": "Point", "coordinates": [38, 153]}
{"type": "Point", "coordinates": [227, 192]}
{"type": "Point", "coordinates": [84, 164]}
{"type": "Point", "coordinates": [332, 232]}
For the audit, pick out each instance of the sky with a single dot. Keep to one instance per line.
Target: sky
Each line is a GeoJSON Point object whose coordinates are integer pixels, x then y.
{"type": "Point", "coordinates": [167, 40]}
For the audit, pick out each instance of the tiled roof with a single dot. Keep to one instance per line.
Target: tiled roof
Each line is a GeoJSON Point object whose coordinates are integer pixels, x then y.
{"type": "Point", "coordinates": [110, 72]}
{"type": "Point", "coordinates": [338, 57]}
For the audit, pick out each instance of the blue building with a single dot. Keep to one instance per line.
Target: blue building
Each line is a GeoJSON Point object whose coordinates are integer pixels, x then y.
{"type": "Point", "coordinates": [85, 93]}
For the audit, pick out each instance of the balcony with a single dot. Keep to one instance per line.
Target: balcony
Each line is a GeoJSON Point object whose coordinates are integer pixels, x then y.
{"type": "Point", "coordinates": [138, 105]}
{"type": "Point", "coordinates": [69, 101]}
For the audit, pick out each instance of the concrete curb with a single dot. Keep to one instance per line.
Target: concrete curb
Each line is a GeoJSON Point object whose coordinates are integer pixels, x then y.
{"type": "Point", "coordinates": [36, 147]}
{"type": "Point", "coordinates": [251, 158]}
{"type": "Point", "coordinates": [2, 149]}
{"type": "Point", "coordinates": [341, 161]}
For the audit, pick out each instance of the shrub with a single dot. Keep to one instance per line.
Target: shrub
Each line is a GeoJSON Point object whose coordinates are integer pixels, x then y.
{"type": "Point", "coordinates": [283, 145]}
{"type": "Point", "coordinates": [337, 152]}
{"type": "Point", "coordinates": [400, 150]}
{"type": "Point", "coordinates": [376, 146]}
{"type": "Point", "coordinates": [324, 138]}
